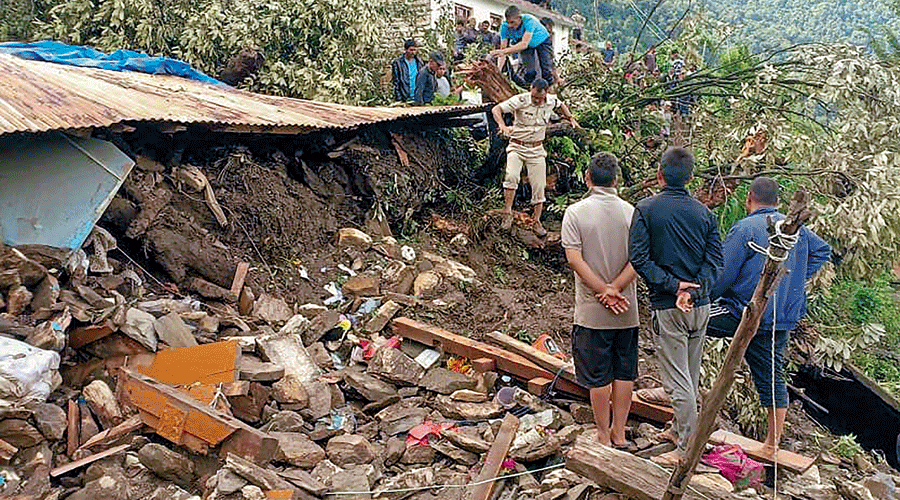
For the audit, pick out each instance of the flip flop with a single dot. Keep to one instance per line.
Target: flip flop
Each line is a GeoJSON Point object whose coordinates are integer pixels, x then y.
{"type": "Point", "coordinates": [628, 446]}
{"type": "Point", "coordinates": [656, 396]}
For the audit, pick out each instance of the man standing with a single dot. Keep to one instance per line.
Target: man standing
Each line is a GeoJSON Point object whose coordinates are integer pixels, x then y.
{"type": "Point", "coordinates": [579, 20]}
{"type": "Point", "coordinates": [650, 61]}
{"type": "Point", "coordinates": [486, 37]}
{"type": "Point", "coordinates": [675, 247]}
{"type": "Point", "coordinates": [532, 112]}
{"type": "Point", "coordinates": [426, 82]}
{"type": "Point", "coordinates": [605, 331]}
{"type": "Point", "coordinates": [609, 55]}
{"type": "Point", "coordinates": [734, 289]}
{"type": "Point", "coordinates": [404, 71]}
{"type": "Point", "coordinates": [530, 39]}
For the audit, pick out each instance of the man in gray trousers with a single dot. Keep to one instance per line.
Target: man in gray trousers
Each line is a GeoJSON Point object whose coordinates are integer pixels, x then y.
{"type": "Point", "coordinates": [674, 245]}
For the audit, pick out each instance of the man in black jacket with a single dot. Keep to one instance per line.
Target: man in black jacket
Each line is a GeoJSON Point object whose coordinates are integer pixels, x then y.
{"type": "Point", "coordinates": [674, 245]}
{"type": "Point", "coordinates": [404, 71]}
{"type": "Point", "coordinates": [426, 81]}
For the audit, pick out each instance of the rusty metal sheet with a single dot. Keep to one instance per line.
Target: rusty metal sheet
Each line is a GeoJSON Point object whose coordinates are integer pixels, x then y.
{"type": "Point", "coordinates": [40, 96]}
{"type": "Point", "coordinates": [171, 424]}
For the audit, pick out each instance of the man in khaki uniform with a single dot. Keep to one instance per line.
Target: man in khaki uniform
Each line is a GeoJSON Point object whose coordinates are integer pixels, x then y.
{"type": "Point", "coordinates": [532, 112]}
{"type": "Point", "coordinates": [605, 332]}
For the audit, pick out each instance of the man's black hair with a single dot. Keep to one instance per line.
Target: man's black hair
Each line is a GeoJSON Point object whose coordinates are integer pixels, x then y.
{"type": "Point", "coordinates": [512, 11]}
{"type": "Point", "coordinates": [409, 43]}
{"type": "Point", "coordinates": [437, 57]}
{"type": "Point", "coordinates": [539, 84]}
{"type": "Point", "coordinates": [765, 190]}
{"type": "Point", "coordinates": [677, 165]}
{"type": "Point", "coordinates": [547, 22]}
{"type": "Point", "coordinates": [603, 169]}
{"type": "Point", "coordinates": [460, 22]}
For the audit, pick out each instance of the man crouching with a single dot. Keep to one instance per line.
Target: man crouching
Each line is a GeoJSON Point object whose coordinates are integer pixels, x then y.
{"type": "Point", "coordinates": [605, 333]}
{"type": "Point", "coordinates": [532, 112]}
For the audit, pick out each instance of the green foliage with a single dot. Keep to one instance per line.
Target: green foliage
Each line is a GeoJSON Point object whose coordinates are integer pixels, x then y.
{"type": "Point", "coordinates": [847, 447]}
{"type": "Point", "coordinates": [325, 50]}
{"type": "Point", "coordinates": [733, 209]}
{"type": "Point", "coordinates": [742, 403]}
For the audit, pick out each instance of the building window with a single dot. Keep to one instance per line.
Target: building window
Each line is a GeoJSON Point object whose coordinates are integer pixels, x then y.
{"type": "Point", "coordinates": [496, 21]}
{"type": "Point", "coordinates": [462, 12]}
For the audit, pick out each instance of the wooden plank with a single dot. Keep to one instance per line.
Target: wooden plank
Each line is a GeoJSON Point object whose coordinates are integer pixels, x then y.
{"type": "Point", "coordinates": [81, 336]}
{"type": "Point", "coordinates": [786, 459]}
{"type": "Point", "coordinates": [511, 363]}
{"type": "Point", "coordinates": [184, 420]}
{"type": "Point", "coordinates": [73, 431]}
{"type": "Point", "coordinates": [494, 459]}
{"type": "Point", "coordinates": [240, 275]}
{"type": "Point", "coordinates": [538, 385]}
{"type": "Point", "coordinates": [69, 467]}
{"type": "Point", "coordinates": [540, 358]}
{"type": "Point", "coordinates": [482, 365]}
{"type": "Point", "coordinates": [629, 475]}
{"type": "Point", "coordinates": [129, 425]}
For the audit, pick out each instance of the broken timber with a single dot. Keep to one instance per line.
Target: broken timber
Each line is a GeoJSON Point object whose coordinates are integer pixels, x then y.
{"type": "Point", "coordinates": [511, 363]}
{"type": "Point", "coordinates": [494, 459]}
{"type": "Point", "coordinates": [772, 273]}
{"type": "Point", "coordinates": [182, 420]}
{"type": "Point", "coordinates": [87, 460]}
{"type": "Point", "coordinates": [786, 459]}
{"type": "Point", "coordinates": [629, 475]}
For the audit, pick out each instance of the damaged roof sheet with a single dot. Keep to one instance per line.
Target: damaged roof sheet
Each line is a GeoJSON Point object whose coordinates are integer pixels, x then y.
{"type": "Point", "coordinates": [40, 96]}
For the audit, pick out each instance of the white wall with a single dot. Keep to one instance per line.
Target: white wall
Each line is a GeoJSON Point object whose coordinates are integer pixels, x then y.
{"type": "Point", "coordinates": [482, 10]}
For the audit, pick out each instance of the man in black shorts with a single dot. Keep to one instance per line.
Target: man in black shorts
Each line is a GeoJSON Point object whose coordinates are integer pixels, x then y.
{"type": "Point", "coordinates": [604, 337]}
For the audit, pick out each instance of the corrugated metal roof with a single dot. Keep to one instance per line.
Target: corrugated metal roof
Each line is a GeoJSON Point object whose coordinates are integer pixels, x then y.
{"type": "Point", "coordinates": [40, 96]}
{"type": "Point", "coordinates": [537, 10]}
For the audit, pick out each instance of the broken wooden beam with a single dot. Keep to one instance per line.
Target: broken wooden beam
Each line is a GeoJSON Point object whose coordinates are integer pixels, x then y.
{"type": "Point", "coordinates": [183, 420]}
{"type": "Point", "coordinates": [511, 363]}
{"type": "Point", "coordinates": [109, 435]}
{"type": "Point", "coordinates": [629, 475]}
{"type": "Point", "coordinates": [73, 434]}
{"type": "Point", "coordinates": [494, 459]}
{"type": "Point", "coordinates": [240, 275]}
{"type": "Point", "coordinates": [482, 365]}
{"type": "Point", "coordinates": [786, 459]}
{"type": "Point", "coordinates": [69, 467]}
{"type": "Point", "coordinates": [542, 359]}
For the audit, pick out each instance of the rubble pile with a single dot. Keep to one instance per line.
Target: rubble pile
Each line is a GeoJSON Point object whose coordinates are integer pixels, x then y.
{"type": "Point", "coordinates": [112, 388]}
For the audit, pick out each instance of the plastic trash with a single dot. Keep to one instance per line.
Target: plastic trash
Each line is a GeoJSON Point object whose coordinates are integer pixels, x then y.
{"type": "Point", "coordinates": [506, 397]}
{"type": "Point", "coordinates": [735, 465]}
{"type": "Point", "coordinates": [26, 372]}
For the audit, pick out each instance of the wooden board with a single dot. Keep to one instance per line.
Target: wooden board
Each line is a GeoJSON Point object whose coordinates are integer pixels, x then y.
{"type": "Point", "coordinates": [511, 363]}
{"type": "Point", "coordinates": [629, 475]}
{"type": "Point", "coordinates": [87, 460]}
{"type": "Point", "coordinates": [73, 429]}
{"type": "Point", "coordinates": [240, 274]}
{"type": "Point", "coordinates": [540, 358]}
{"type": "Point", "coordinates": [494, 459]}
{"type": "Point", "coordinates": [787, 459]}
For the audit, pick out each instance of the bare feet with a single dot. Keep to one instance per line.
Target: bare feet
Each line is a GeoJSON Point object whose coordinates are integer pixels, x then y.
{"type": "Point", "coordinates": [767, 451]}
{"type": "Point", "coordinates": [507, 221]}
{"type": "Point", "coordinates": [666, 434]}
{"type": "Point", "coordinates": [604, 439]}
{"type": "Point", "coordinates": [539, 229]}
{"type": "Point", "coordinates": [669, 459]}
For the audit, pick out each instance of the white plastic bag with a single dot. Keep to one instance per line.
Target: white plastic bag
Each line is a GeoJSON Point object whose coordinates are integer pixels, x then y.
{"type": "Point", "coordinates": [26, 372]}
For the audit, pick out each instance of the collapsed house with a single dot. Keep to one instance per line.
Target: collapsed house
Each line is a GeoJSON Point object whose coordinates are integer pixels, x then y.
{"type": "Point", "coordinates": [151, 340]}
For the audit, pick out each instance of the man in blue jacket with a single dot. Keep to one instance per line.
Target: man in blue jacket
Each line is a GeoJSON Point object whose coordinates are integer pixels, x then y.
{"type": "Point", "coordinates": [734, 289]}
{"type": "Point", "coordinates": [404, 71]}
{"type": "Point", "coordinates": [674, 246]}
{"type": "Point", "coordinates": [523, 34]}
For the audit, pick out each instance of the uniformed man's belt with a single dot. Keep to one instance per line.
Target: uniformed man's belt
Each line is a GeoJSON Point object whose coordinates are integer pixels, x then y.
{"type": "Point", "coordinates": [530, 144]}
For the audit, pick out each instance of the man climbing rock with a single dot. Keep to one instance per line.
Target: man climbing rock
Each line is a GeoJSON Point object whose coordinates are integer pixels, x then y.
{"type": "Point", "coordinates": [734, 289]}
{"type": "Point", "coordinates": [404, 71]}
{"type": "Point", "coordinates": [605, 330]}
{"type": "Point", "coordinates": [531, 112]}
{"type": "Point", "coordinates": [523, 34]}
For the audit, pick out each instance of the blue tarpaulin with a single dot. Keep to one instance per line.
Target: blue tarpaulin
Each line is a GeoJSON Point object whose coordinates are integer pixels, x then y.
{"type": "Point", "coordinates": [120, 60]}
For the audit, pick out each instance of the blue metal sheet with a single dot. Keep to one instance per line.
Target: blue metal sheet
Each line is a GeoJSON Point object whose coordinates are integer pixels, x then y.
{"type": "Point", "coordinates": [54, 188]}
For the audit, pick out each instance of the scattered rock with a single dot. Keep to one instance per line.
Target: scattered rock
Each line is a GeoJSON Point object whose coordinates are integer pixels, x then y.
{"type": "Point", "coordinates": [467, 439]}
{"type": "Point", "coordinates": [45, 294]}
{"type": "Point", "coordinates": [368, 386]}
{"type": "Point", "coordinates": [310, 311]}
{"type": "Point", "coordinates": [394, 450]}
{"type": "Point", "coordinates": [111, 487]}
{"type": "Point", "coordinates": [469, 396]}
{"type": "Point", "coordinates": [264, 478]}
{"type": "Point", "coordinates": [320, 326]}
{"type": "Point", "coordinates": [140, 326]}
{"type": "Point", "coordinates": [19, 433]}
{"type": "Point", "coordinates": [851, 490]}
{"type": "Point", "coordinates": [249, 407]}
{"type": "Point", "coordinates": [228, 481]}
{"type": "Point", "coordinates": [353, 479]}
{"type": "Point", "coordinates": [299, 450]}
{"type": "Point", "coordinates": [51, 420]}
{"type": "Point", "coordinates": [272, 310]}
{"type": "Point", "coordinates": [290, 390]}
{"type": "Point", "coordinates": [398, 419]}
{"type": "Point", "coordinates": [304, 480]}
{"type": "Point", "coordinates": [324, 471]}
{"type": "Point", "coordinates": [167, 464]}
{"type": "Point", "coordinates": [349, 449]}
{"type": "Point", "coordinates": [362, 285]}
{"type": "Point", "coordinates": [881, 486]}
{"type": "Point", "coordinates": [444, 381]}
{"type": "Point", "coordinates": [258, 371]}
{"type": "Point", "coordinates": [17, 300]}
{"type": "Point", "coordinates": [288, 351]}
{"type": "Point", "coordinates": [382, 316]}
{"type": "Point", "coordinates": [172, 330]}
{"type": "Point", "coordinates": [425, 283]}
{"type": "Point", "coordinates": [209, 324]}
{"type": "Point", "coordinates": [467, 411]}
{"type": "Point", "coordinates": [350, 237]}
{"type": "Point", "coordinates": [458, 455]}
{"type": "Point", "coordinates": [284, 421]}
{"type": "Point", "coordinates": [252, 492]}
{"type": "Point", "coordinates": [319, 399]}
{"type": "Point", "coordinates": [583, 414]}
{"type": "Point", "coordinates": [392, 364]}
{"type": "Point", "coordinates": [417, 455]}
{"type": "Point", "coordinates": [103, 403]}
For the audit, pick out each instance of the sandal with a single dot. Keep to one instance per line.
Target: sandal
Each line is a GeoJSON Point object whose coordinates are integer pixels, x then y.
{"type": "Point", "coordinates": [656, 396]}
{"type": "Point", "coordinates": [539, 229]}
{"type": "Point", "coordinates": [507, 222]}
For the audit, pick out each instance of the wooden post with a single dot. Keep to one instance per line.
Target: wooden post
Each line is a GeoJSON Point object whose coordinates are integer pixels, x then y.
{"type": "Point", "coordinates": [494, 459]}
{"type": "Point", "coordinates": [772, 273]}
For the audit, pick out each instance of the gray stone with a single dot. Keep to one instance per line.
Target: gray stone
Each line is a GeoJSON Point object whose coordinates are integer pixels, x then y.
{"type": "Point", "coordinates": [417, 455]}
{"type": "Point", "coordinates": [395, 366]}
{"type": "Point", "coordinates": [882, 486]}
{"type": "Point", "coordinates": [467, 411]}
{"type": "Point", "coordinates": [19, 433]}
{"type": "Point", "coordinates": [108, 487]}
{"type": "Point", "coordinates": [290, 390]}
{"type": "Point", "coordinates": [319, 395]}
{"type": "Point", "coordinates": [349, 449]}
{"type": "Point", "coordinates": [167, 464]}
{"type": "Point", "coordinates": [288, 351]}
{"type": "Point", "coordinates": [228, 481]}
{"type": "Point", "coordinates": [285, 421]}
{"type": "Point", "coordinates": [50, 420]}
{"type": "Point", "coordinates": [264, 478]}
{"type": "Point", "coordinates": [324, 471]}
{"type": "Point", "coordinates": [582, 413]}
{"type": "Point", "coordinates": [466, 438]}
{"type": "Point", "coordinates": [140, 326]}
{"type": "Point", "coordinates": [170, 492]}
{"type": "Point", "coordinates": [310, 311]}
{"type": "Point", "coordinates": [368, 386]}
{"type": "Point", "coordinates": [271, 309]}
{"type": "Point", "coordinates": [394, 450]}
{"type": "Point", "coordinates": [172, 330]}
{"type": "Point", "coordinates": [305, 481]}
{"type": "Point", "coordinates": [444, 381]}
{"type": "Point", "coordinates": [252, 492]}
{"type": "Point", "coordinates": [255, 370]}
{"type": "Point", "coordinates": [398, 419]}
{"type": "Point", "coordinates": [351, 480]}
{"type": "Point", "coordinates": [416, 478]}
{"type": "Point", "coordinates": [299, 450]}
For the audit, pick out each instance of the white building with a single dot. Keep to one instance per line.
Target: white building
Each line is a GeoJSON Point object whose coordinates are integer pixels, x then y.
{"type": "Point", "coordinates": [492, 10]}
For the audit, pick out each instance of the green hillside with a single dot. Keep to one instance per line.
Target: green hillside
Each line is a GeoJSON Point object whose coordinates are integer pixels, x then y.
{"type": "Point", "coordinates": [760, 24]}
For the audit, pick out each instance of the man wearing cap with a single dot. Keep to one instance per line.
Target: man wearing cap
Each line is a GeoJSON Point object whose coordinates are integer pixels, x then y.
{"type": "Point", "coordinates": [426, 82]}
{"type": "Point", "coordinates": [532, 112]}
{"type": "Point", "coordinates": [404, 71]}
{"type": "Point", "coordinates": [524, 34]}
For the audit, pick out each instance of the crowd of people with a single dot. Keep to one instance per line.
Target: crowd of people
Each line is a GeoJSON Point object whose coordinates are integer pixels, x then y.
{"type": "Point", "coordinates": [698, 285]}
